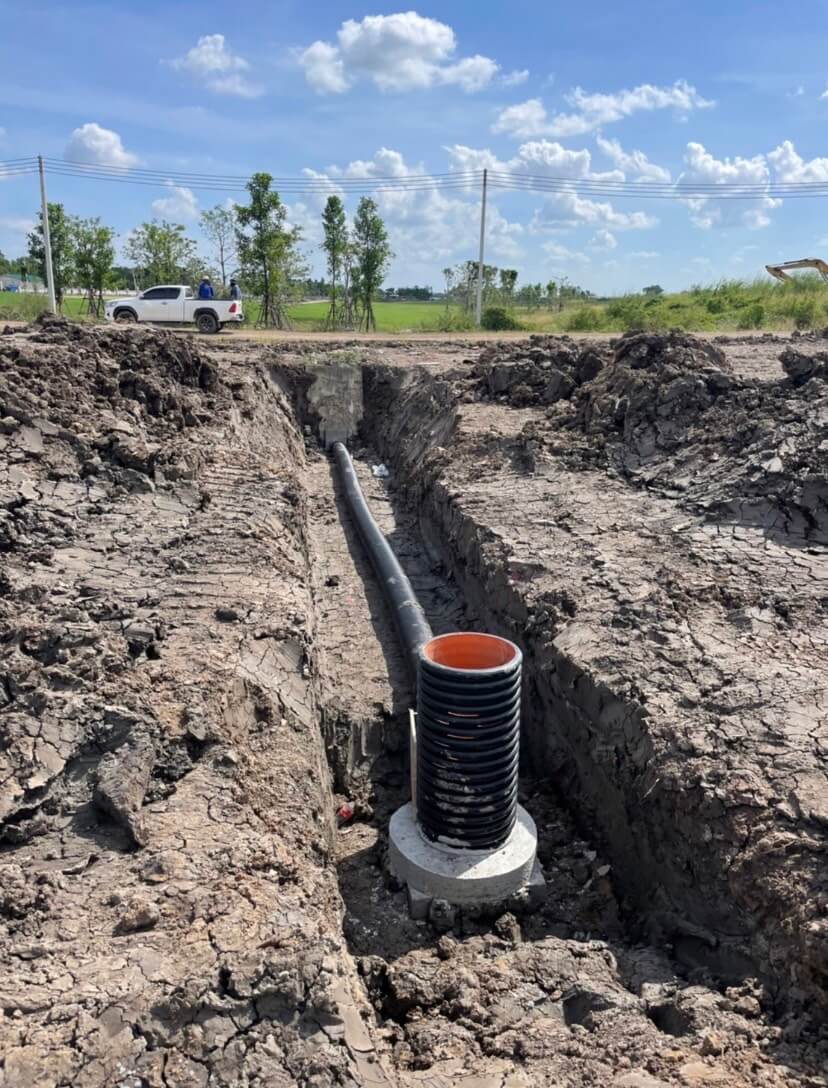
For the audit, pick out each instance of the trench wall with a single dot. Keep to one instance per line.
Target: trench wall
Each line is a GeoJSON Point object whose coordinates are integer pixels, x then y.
{"type": "Point", "coordinates": [699, 863]}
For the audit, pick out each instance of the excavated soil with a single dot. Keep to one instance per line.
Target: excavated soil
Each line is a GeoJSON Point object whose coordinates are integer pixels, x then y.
{"type": "Point", "coordinates": [203, 710]}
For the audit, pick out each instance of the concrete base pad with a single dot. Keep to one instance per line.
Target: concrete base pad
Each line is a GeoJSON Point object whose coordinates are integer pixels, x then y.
{"type": "Point", "coordinates": [462, 877]}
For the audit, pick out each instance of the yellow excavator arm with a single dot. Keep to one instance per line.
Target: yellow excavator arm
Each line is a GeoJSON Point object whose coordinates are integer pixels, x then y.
{"type": "Point", "coordinates": [780, 271]}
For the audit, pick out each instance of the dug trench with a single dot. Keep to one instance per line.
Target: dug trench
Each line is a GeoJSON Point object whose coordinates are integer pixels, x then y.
{"type": "Point", "coordinates": [715, 862]}
{"type": "Point", "coordinates": [198, 673]}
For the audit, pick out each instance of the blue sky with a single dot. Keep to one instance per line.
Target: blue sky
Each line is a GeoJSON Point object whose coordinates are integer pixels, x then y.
{"type": "Point", "coordinates": [702, 91]}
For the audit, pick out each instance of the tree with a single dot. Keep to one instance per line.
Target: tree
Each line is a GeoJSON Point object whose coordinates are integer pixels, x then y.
{"type": "Point", "coordinates": [415, 293]}
{"type": "Point", "coordinates": [530, 296]}
{"type": "Point", "coordinates": [23, 267]}
{"type": "Point", "coordinates": [61, 244]}
{"type": "Point", "coordinates": [5, 264]}
{"type": "Point", "coordinates": [219, 226]}
{"type": "Point", "coordinates": [350, 274]}
{"type": "Point", "coordinates": [335, 242]}
{"type": "Point", "coordinates": [268, 252]}
{"type": "Point", "coordinates": [653, 289]}
{"type": "Point", "coordinates": [123, 278]}
{"type": "Point", "coordinates": [94, 255]}
{"type": "Point", "coordinates": [448, 276]}
{"type": "Point", "coordinates": [161, 252]}
{"type": "Point", "coordinates": [551, 292]}
{"type": "Point", "coordinates": [508, 279]}
{"type": "Point", "coordinates": [373, 255]}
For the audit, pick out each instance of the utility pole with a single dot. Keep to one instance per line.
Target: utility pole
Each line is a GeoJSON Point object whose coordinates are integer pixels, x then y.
{"type": "Point", "coordinates": [47, 241]}
{"type": "Point", "coordinates": [479, 304]}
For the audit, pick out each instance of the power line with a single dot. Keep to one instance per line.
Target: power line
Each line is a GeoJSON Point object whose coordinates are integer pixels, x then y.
{"type": "Point", "coordinates": [515, 183]}
{"type": "Point", "coordinates": [173, 175]}
{"type": "Point", "coordinates": [287, 184]}
{"type": "Point", "coordinates": [289, 187]}
{"type": "Point", "coordinates": [468, 180]}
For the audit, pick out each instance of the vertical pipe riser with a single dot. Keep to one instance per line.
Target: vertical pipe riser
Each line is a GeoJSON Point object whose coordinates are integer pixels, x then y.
{"type": "Point", "coordinates": [467, 753]}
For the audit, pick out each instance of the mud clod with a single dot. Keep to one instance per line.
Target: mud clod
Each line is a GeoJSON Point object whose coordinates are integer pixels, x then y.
{"type": "Point", "coordinates": [121, 782]}
{"type": "Point", "coordinates": [137, 914]}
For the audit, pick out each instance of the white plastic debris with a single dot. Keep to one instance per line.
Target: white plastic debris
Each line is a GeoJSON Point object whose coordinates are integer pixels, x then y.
{"type": "Point", "coordinates": [381, 471]}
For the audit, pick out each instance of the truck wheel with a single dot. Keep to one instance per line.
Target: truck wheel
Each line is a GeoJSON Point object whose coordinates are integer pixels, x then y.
{"type": "Point", "coordinates": [126, 317]}
{"type": "Point", "coordinates": [207, 323]}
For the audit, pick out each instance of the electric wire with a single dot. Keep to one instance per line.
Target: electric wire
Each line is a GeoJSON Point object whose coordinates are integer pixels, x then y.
{"type": "Point", "coordinates": [451, 181]}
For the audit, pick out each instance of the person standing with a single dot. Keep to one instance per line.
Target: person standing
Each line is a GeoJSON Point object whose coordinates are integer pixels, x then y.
{"type": "Point", "coordinates": [235, 291]}
{"type": "Point", "coordinates": [205, 288]}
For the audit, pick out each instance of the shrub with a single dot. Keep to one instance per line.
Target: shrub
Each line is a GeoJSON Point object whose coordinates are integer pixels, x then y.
{"type": "Point", "coordinates": [715, 305]}
{"type": "Point", "coordinates": [753, 316]}
{"type": "Point", "coordinates": [584, 319]}
{"type": "Point", "coordinates": [804, 313]}
{"type": "Point", "coordinates": [498, 319]}
{"type": "Point", "coordinates": [453, 321]}
{"type": "Point", "coordinates": [631, 309]}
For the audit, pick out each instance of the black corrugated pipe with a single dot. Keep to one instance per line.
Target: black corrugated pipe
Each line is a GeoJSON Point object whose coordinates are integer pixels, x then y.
{"type": "Point", "coordinates": [411, 624]}
{"type": "Point", "coordinates": [468, 705]}
{"type": "Point", "coordinates": [468, 736]}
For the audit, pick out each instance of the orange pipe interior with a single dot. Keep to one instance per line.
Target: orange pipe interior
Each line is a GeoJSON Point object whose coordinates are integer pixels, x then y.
{"type": "Point", "coordinates": [469, 651]}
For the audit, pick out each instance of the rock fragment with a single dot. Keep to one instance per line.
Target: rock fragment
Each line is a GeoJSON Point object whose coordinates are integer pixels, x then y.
{"type": "Point", "coordinates": [137, 914]}
{"type": "Point", "coordinates": [121, 782]}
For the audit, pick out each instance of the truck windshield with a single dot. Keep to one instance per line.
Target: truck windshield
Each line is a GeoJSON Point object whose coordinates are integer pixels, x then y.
{"type": "Point", "coordinates": [188, 292]}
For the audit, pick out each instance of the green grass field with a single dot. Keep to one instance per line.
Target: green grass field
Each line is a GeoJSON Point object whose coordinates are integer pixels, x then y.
{"type": "Point", "coordinates": [392, 317]}
{"type": "Point", "coordinates": [727, 306]}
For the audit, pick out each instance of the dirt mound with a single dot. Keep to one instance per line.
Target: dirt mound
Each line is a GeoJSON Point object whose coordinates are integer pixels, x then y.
{"type": "Point", "coordinates": [548, 371]}
{"type": "Point", "coordinates": [86, 416]}
{"type": "Point", "coordinates": [668, 413]}
{"type": "Point", "coordinates": [801, 368]}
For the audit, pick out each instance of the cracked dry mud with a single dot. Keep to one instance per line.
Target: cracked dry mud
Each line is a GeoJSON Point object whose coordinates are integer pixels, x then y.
{"type": "Point", "coordinates": [198, 669]}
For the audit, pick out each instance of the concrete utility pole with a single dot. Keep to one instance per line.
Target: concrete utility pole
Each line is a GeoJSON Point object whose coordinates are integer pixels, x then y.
{"type": "Point", "coordinates": [47, 241]}
{"type": "Point", "coordinates": [479, 303]}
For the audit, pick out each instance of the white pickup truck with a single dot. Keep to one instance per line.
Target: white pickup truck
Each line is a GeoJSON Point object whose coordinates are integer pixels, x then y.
{"type": "Point", "coordinates": [175, 305]}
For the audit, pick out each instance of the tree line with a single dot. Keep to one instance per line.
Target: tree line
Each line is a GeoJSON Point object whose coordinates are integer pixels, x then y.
{"type": "Point", "coordinates": [500, 289]}
{"type": "Point", "coordinates": [253, 242]}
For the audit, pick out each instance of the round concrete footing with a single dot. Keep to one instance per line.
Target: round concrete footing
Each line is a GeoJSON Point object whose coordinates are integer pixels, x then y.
{"type": "Point", "coordinates": [470, 877]}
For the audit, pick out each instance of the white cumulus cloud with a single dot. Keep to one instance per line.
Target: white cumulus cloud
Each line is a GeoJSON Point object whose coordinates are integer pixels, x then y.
{"type": "Point", "coordinates": [591, 111]}
{"type": "Point", "coordinates": [633, 163]}
{"type": "Point", "coordinates": [93, 144]}
{"type": "Point", "coordinates": [788, 165]}
{"type": "Point", "coordinates": [568, 209]}
{"type": "Point", "coordinates": [705, 168]}
{"type": "Point", "coordinates": [524, 120]}
{"type": "Point", "coordinates": [555, 253]}
{"type": "Point", "coordinates": [182, 203]}
{"type": "Point", "coordinates": [542, 157]}
{"type": "Point", "coordinates": [514, 79]}
{"type": "Point", "coordinates": [400, 52]}
{"type": "Point", "coordinates": [324, 68]}
{"type": "Point", "coordinates": [211, 62]}
{"type": "Point", "coordinates": [604, 239]}
{"type": "Point", "coordinates": [548, 158]}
